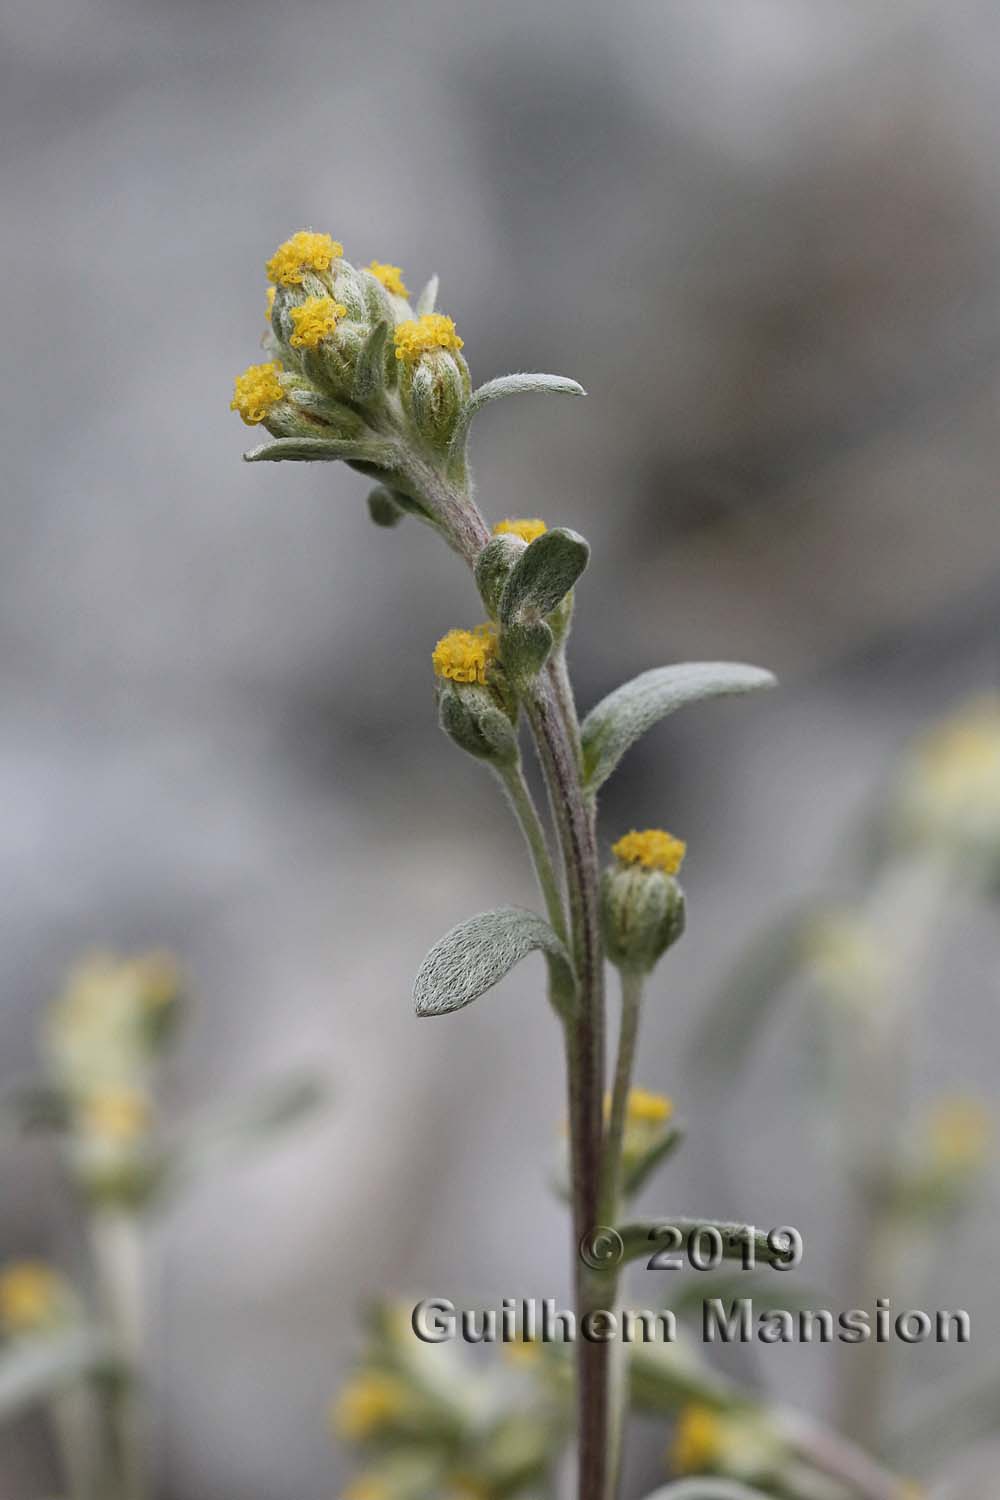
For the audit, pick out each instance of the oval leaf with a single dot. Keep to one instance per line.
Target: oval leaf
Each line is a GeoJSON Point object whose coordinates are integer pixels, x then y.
{"type": "Point", "coordinates": [475, 955]}
{"type": "Point", "coordinates": [624, 715]}
{"type": "Point", "coordinates": [543, 575]}
{"type": "Point", "coordinates": [649, 1237]}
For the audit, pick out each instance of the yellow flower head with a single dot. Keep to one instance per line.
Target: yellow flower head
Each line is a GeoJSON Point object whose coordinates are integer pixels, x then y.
{"type": "Point", "coordinates": [645, 1108]}
{"type": "Point", "coordinates": [304, 252]}
{"type": "Point", "coordinates": [420, 336]}
{"type": "Point", "coordinates": [526, 530]}
{"type": "Point", "coordinates": [271, 292]}
{"type": "Point", "coordinates": [959, 1131]}
{"type": "Point", "coordinates": [653, 849]}
{"type": "Point", "coordinates": [313, 320]}
{"type": "Point", "coordinates": [115, 1115]}
{"type": "Point", "coordinates": [256, 391]}
{"type": "Point", "coordinates": [696, 1442]}
{"type": "Point", "coordinates": [366, 1404]}
{"type": "Point", "coordinates": [465, 655]}
{"type": "Point", "coordinates": [31, 1297]}
{"type": "Point", "coordinates": [391, 278]}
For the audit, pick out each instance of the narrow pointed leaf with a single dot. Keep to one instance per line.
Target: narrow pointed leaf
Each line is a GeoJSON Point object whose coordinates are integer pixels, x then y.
{"type": "Point", "coordinates": [543, 575]}
{"type": "Point", "coordinates": [507, 385]}
{"type": "Point", "coordinates": [318, 449]}
{"type": "Point", "coordinates": [475, 955]}
{"type": "Point", "coordinates": [625, 715]}
{"type": "Point", "coordinates": [368, 370]}
{"type": "Point", "coordinates": [427, 300]}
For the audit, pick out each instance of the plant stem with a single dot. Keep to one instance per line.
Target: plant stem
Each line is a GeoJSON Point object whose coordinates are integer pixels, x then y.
{"type": "Point", "coordinates": [530, 824]}
{"type": "Point", "coordinates": [556, 732]}
{"type": "Point", "coordinates": [118, 1256]}
{"type": "Point", "coordinates": [628, 1035]}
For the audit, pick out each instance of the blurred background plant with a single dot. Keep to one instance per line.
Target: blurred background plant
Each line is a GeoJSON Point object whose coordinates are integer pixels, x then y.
{"type": "Point", "coordinates": [83, 1354]}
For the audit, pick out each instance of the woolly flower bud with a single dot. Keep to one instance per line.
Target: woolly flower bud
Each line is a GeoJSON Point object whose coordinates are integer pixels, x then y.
{"type": "Point", "coordinates": [434, 378]}
{"type": "Point", "coordinates": [420, 336]}
{"type": "Point", "coordinates": [256, 392]}
{"type": "Point", "coordinates": [466, 655]}
{"type": "Point", "coordinates": [303, 253]}
{"type": "Point", "coordinates": [33, 1299]}
{"type": "Point", "coordinates": [642, 903]}
{"type": "Point", "coordinates": [391, 278]}
{"type": "Point", "coordinates": [473, 709]}
{"type": "Point", "coordinates": [314, 320]}
{"type": "Point", "coordinates": [527, 530]}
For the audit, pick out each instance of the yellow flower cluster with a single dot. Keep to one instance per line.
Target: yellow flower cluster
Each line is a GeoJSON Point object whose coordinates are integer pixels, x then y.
{"type": "Point", "coordinates": [391, 278]}
{"type": "Point", "coordinates": [527, 530]}
{"type": "Point", "coordinates": [366, 1404]}
{"type": "Point", "coordinates": [418, 336]}
{"type": "Point", "coordinates": [466, 655]}
{"type": "Point", "coordinates": [31, 1296]}
{"type": "Point", "coordinates": [256, 391]}
{"type": "Point", "coordinates": [652, 848]}
{"type": "Point", "coordinates": [304, 252]}
{"type": "Point", "coordinates": [313, 320]}
{"type": "Point", "coordinates": [697, 1439]}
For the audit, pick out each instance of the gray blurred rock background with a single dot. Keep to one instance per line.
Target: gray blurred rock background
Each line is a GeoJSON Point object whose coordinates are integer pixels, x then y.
{"type": "Point", "coordinates": [764, 235]}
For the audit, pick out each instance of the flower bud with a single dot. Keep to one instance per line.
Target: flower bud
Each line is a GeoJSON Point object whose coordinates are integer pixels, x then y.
{"type": "Point", "coordinates": [475, 707]}
{"type": "Point", "coordinates": [642, 902]}
{"type": "Point", "coordinates": [434, 379]}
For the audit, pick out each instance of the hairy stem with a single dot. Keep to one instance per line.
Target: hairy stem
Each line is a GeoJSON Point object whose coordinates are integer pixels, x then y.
{"type": "Point", "coordinates": [530, 824]}
{"type": "Point", "coordinates": [628, 1035]}
{"type": "Point", "coordinates": [553, 722]}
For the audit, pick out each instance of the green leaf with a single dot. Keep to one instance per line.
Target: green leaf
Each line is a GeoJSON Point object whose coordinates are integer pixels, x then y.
{"type": "Point", "coordinates": [749, 997]}
{"type": "Point", "coordinates": [428, 298]}
{"type": "Point", "coordinates": [475, 955]}
{"type": "Point", "coordinates": [624, 715]}
{"type": "Point", "coordinates": [494, 390]}
{"type": "Point", "coordinates": [383, 508]}
{"type": "Point", "coordinates": [649, 1237]}
{"type": "Point", "coordinates": [33, 1369]}
{"type": "Point", "coordinates": [369, 370]}
{"type": "Point", "coordinates": [322, 450]}
{"type": "Point", "coordinates": [696, 1288]}
{"type": "Point", "coordinates": [543, 575]}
